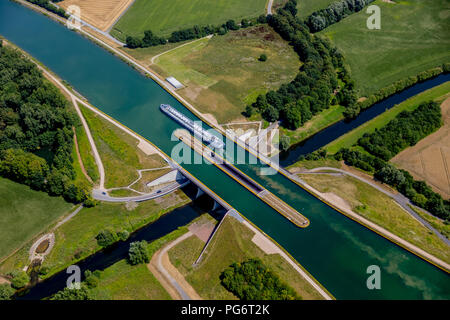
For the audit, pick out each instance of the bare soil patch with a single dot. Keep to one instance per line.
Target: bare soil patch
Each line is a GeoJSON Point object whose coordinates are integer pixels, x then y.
{"type": "Point", "coordinates": [100, 13]}
{"type": "Point", "coordinates": [429, 159]}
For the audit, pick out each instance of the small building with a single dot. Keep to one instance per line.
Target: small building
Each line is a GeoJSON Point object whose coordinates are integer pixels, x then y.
{"type": "Point", "coordinates": [174, 82]}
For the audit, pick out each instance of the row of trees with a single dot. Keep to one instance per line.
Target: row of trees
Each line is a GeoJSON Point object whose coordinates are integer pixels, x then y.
{"type": "Point", "coordinates": [50, 7]}
{"type": "Point", "coordinates": [404, 131]}
{"type": "Point", "coordinates": [314, 88]}
{"type": "Point", "coordinates": [252, 280]}
{"type": "Point", "coordinates": [195, 32]}
{"type": "Point", "coordinates": [396, 87]}
{"type": "Point", "coordinates": [36, 137]}
{"type": "Point", "coordinates": [335, 12]}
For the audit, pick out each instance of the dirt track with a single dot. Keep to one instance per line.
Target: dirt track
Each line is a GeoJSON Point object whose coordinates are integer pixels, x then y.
{"type": "Point", "coordinates": [429, 159]}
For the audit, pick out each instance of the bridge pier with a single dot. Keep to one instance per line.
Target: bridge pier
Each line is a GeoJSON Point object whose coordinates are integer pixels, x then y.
{"type": "Point", "coordinates": [200, 192]}
{"type": "Point", "coordinates": [216, 206]}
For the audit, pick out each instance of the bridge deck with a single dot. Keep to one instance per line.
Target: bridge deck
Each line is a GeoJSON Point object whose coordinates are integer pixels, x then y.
{"type": "Point", "coordinates": [279, 205]}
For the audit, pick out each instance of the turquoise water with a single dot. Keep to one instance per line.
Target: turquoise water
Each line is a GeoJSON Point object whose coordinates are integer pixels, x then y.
{"type": "Point", "coordinates": [334, 249]}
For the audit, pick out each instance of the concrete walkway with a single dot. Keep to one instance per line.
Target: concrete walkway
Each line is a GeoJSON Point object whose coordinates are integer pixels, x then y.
{"type": "Point", "coordinates": [103, 196]}
{"type": "Point", "coordinates": [173, 277]}
{"type": "Point", "coordinates": [400, 199]}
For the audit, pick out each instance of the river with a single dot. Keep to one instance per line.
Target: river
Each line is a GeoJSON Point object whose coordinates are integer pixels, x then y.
{"type": "Point", "coordinates": [331, 133]}
{"type": "Point", "coordinates": [334, 249]}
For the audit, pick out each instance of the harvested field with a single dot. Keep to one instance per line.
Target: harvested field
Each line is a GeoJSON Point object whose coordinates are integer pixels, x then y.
{"type": "Point", "coordinates": [100, 13]}
{"type": "Point", "coordinates": [429, 160]}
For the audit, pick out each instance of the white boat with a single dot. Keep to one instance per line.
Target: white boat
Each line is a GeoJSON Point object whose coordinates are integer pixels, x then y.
{"type": "Point", "coordinates": [194, 127]}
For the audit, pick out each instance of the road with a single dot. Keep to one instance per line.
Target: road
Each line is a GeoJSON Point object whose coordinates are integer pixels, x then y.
{"type": "Point", "coordinates": [404, 202]}
{"type": "Point", "coordinates": [101, 195]}
{"type": "Point", "coordinates": [184, 289]}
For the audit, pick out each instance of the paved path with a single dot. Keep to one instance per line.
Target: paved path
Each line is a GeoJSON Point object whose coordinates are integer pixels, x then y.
{"type": "Point", "coordinates": [98, 160]}
{"type": "Point", "coordinates": [269, 7]}
{"type": "Point", "coordinates": [101, 195]}
{"type": "Point", "coordinates": [152, 61]}
{"type": "Point", "coordinates": [403, 201]}
{"type": "Point", "coordinates": [183, 288]}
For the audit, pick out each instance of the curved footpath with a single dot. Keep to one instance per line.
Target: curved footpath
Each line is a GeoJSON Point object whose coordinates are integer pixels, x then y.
{"type": "Point", "coordinates": [404, 202]}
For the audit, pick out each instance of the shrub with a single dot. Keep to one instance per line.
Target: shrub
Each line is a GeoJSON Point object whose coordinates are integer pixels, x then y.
{"type": "Point", "coordinates": [263, 57]}
{"type": "Point", "coordinates": [252, 280]}
{"type": "Point", "coordinates": [6, 292]}
{"type": "Point", "coordinates": [19, 279]}
{"type": "Point", "coordinates": [106, 238]}
{"type": "Point", "coordinates": [138, 253]}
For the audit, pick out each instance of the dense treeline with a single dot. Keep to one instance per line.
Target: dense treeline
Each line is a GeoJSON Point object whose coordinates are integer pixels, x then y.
{"type": "Point", "coordinates": [252, 280]}
{"type": "Point", "coordinates": [195, 32]}
{"type": "Point", "coordinates": [404, 131]}
{"type": "Point", "coordinates": [50, 7]}
{"type": "Point", "coordinates": [335, 12]}
{"type": "Point", "coordinates": [316, 86]}
{"type": "Point", "coordinates": [396, 87]}
{"type": "Point", "coordinates": [36, 137]}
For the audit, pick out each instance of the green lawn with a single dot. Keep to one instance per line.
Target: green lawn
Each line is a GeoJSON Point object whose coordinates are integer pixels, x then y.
{"type": "Point", "coordinates": [165, 16]}
{"type": "Point", "coordinates": [319, 122]}
{"type": "Point", "coordinates": [232, 243]}
{"type": "Point", "coordinates": [413, 38]}
{"type": "Point", "coordinates": [122, 281]}
{"type": "Point", "coordinates": [381, 209]}
{"type": "Point", "coordinates": [24, 213]}
{"type": "Point", "coordinates": [76, 238]}
{"type": "Point", "coordinates": [118, 151]}
{"type": "Point", "coordinates": [222, 74]}
{"type": "Point", "coordinates": [306, 7]}
{"type": "Point", "coordinates": [349, 139]}
{"type": "Point", "coordinates": [86, 154]}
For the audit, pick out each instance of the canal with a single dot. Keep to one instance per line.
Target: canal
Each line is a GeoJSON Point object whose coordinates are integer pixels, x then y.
{"type": "Point", "coordinates": [334, 249]}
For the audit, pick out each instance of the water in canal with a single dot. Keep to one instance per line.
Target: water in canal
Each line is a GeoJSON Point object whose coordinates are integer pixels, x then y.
{"type": "Point", "coordinates": [334, 249]}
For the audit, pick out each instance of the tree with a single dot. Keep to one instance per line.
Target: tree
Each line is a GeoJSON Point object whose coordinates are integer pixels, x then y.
{"type": "Point", "coordinates": [106, 238]}
{"type": "Point", "coordinates": [6, 292]}
{"type": "Point", "coordinates": [19, 279]}
{"type": "Point", "coordinates": [231, 25]}
{"type": "Point", "coordinates": [263, 57]}
{"type": "Point", "coordinates": [73, 294]}
{"type": "Point", "coordinates": [285, 142]}
{"type": "Point", "coordinates": [133, 42]}
{"type": "Point", "coordinates": [138, 253]}
{"type": "Point", "coordinates": [252, 280]}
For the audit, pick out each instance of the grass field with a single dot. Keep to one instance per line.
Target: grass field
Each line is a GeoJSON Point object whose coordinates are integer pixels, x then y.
{"type": "Point", "coordinates": [118, 151]}
{"type": "Point", "coordinates": [306, 7]}
{"type": "Point", "coordinates": [232, 243]}
{"type": "Point", "coordinates": [413, 38]}
{"type": "Point", "coordinates": [379, 208]}
{"type": "Point", "coordinates": [122, 281]}
{"type": "Point", "coordinates": [165, 16]}
{"type": "Point", "coordinates": [76, 238]}
{"type": "Point", "coordinates": [24, 213]}
{"type": "Point", "coordinates": [223, 74]}
{"type": "Point", "coordinates": [86, 154]}
{"type": "Point", "coordinates": [347, 140]}
{"type": "Point", "coordinates": [100, 13]}
{"type": "Point", "coordinates": [429, 159]}
{"type": "Point", "coordinates": [319, 122]}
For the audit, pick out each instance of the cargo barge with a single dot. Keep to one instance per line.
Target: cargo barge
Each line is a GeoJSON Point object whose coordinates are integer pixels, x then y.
{"type": "Point", "coordinates": [195, 128]}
